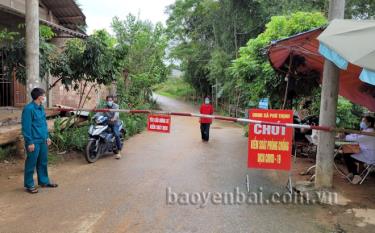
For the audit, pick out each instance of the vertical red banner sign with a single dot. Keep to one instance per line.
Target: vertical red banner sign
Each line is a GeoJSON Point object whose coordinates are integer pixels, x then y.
{"type": "Point", "coordinates": [159, 123]}
{"type": "Point", "coordinates": [270, 146]}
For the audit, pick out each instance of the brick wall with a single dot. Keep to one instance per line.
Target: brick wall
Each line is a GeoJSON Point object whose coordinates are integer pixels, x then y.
{"type": "Point", "coordinates": [59, 95]}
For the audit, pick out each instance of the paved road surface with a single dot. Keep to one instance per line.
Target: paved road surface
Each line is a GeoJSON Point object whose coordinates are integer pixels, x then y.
{"type": "Point", "coordinates": [130, 195]}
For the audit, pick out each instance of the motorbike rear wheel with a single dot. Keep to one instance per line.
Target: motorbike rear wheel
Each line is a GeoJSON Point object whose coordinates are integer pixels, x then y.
{"type": "Point", "coordinates": [91, 156]}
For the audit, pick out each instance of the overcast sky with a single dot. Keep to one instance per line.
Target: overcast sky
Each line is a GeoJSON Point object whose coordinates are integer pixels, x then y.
{"type": "Point", "coordinates": [99, 13]}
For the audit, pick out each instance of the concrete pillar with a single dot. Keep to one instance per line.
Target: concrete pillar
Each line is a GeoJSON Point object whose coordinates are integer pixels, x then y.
{"type": "Point", "coordinates": [32, 46]}
{"type": "Point", "coordinates": [328, 108]}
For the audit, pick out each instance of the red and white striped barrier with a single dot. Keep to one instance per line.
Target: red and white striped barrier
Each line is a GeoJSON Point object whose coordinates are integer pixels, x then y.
{"type": "Point", "coordinates": [216, 117]}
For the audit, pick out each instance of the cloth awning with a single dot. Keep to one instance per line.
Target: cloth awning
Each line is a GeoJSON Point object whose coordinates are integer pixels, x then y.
{"type": "Point", "coordinates": [307, 45]}
{"type": "Point", "coordinates": [350, 41]}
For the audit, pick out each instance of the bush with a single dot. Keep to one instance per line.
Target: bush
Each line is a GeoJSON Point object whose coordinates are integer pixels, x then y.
{"type": "Point", "coordinates": [246, 131]}
{"type": "Point", "coordinates": [78, 137]}
{"type": "Point", "coordinates": [7, 151]}
{"type": "Point", "coordinates": [68, 136]}
{"type": "Point", "coordinates": [349, 114]}
{"type": "Point", "coordinates": [135, 123]}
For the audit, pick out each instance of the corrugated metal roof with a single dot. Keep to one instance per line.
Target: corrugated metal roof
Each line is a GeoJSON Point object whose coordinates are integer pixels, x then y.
{"type": "Point", "coordinates": [67, 12]}
{"type": "Point", "coordinates": [64, 29]}
{"type": "Point", "coordinates": [72, 29]}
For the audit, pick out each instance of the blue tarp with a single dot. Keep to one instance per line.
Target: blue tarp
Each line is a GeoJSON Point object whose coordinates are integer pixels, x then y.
{"type": "Point", "coordinates": [333, 56]}
{"type": "Point", "coordinates": [367, 76]}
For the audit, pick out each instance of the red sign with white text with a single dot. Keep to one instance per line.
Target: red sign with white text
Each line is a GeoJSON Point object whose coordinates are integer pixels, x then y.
{"type": "Point", "coordinates": [270, 146]}
{"type": "Point", "coordinates": [159, 123]}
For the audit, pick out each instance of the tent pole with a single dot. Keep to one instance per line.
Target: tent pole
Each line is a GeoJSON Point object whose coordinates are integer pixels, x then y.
{"type": "Point", "coordinates": [328, 108]}
{"type": "Point", "coordinates": [287, 76]}
{"type": "Point", "coordinates": [286, 91]}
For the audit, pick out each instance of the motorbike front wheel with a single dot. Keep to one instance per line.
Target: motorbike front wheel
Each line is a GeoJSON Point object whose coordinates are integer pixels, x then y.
{"type": "Point", "coordinates": [123, 135]}
{"type": "Point", "coordinates": [91, 155]}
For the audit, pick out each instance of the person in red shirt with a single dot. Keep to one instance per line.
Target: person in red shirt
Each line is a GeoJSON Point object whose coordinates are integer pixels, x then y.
{"type": "Point", "coordinates": [207, 109]}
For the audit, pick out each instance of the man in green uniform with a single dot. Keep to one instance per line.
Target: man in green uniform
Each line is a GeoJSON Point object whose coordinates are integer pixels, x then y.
{"type": "Point", "coordinates": [35, 133]}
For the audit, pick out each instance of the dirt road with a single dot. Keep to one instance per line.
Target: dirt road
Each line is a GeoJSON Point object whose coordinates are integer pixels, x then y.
{"type": "Point", "coordinates": [131, 195]}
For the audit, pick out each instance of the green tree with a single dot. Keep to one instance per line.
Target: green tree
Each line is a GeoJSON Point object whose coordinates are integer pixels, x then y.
{"type": "Point", "coordinates": [207, 35]}
{"type": "Point", "coordinates": [252, 73]}
{"type": "Point", "coordinates": [356, 9]}
{"type": "Point", "coordinates": [85, 65]}
{"type": "Point", "coordinates": [360, 9]}
{"type": "Point", "coordinates": [143, 64]}
{"type": "Point", "coordinates": [13, 49]}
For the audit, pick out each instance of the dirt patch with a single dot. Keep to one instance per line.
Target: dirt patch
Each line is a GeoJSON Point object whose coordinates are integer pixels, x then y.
{"type": "Point", "coordinates": [355, 207]}
{"type": "Point", "coordinates": [12, 169]}
{"type": "Point", "coordinates": [365, 216]}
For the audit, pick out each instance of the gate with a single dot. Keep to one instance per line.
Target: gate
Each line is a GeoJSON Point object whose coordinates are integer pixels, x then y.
{"type": "Point", "coordinates": [19, 93]}
{"type": "Point", "coordinates": [12, 92]}
{"type": "Point", "coordinates": [5, 86]}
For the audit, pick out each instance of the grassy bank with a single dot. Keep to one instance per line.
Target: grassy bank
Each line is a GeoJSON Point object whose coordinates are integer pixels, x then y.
{"type": "Point", "coordinates": [175, 88]}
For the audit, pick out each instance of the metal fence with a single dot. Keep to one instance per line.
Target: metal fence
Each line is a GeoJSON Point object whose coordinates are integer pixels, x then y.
{"type": "Point", "coordinates": [6, 85]}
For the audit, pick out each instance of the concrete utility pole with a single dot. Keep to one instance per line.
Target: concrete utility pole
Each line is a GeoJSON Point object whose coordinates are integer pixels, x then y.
{"type": "Point", "coordinates": [328, 108]}
{"type": "Point", "coordinates": [32, 46]}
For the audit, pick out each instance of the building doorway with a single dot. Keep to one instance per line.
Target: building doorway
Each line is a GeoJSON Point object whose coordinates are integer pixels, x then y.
{"type": "Point", "coordinates": [5, 86]}
{"type": "Point", "coordinates": [12, 92]}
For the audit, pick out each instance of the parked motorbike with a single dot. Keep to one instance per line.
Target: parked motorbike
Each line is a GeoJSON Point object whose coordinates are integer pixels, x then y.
{"type": "Point", "coordinates": [102, 139]}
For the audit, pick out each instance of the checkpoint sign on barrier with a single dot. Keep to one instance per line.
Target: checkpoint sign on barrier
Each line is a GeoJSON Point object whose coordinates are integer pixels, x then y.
{"type": "Point", "coordinates": [270, 146]}
{"type": "Point", "coordinates": [159, 123]}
